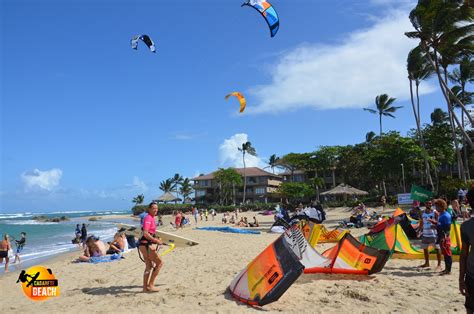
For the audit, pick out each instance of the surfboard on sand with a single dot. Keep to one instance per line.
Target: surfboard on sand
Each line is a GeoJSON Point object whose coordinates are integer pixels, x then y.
{"type": "Point", "coordinates": [165, 236]}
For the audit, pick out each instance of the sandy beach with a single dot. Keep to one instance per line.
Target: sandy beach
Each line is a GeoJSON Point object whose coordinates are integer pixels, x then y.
{"type": "Point", "coordinates": [196, 279]}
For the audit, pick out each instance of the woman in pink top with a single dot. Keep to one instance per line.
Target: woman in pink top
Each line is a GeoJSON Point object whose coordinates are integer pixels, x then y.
{"type": "Point", "coordinates": [153, 262]}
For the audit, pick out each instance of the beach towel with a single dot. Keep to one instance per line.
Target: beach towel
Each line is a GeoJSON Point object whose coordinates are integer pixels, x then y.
{"type": "Point", "coordinates": [229, 229]}
{"type": "Point", "coordinates": [105, 258]}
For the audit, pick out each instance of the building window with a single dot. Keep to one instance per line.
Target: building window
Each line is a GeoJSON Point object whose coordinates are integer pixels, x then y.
{"type": "Point", "coordinates": [204, 183]}
{"type": "Point", "coordinates": [260, 190]}
{"type": "Point", "coordinates": [200, 193]}
{"type": "Point", "coordinates": [251, 180]}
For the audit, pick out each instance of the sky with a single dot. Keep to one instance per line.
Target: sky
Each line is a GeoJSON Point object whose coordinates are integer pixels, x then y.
{"type": "Point", "coordinates": [88, 123]}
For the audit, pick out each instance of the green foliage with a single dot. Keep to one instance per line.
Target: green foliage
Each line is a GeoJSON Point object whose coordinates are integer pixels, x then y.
{"type": "Point", "coordinates": [168, 209]}
{"type": "Point", "coordinates": [138, 199]}
{"type": "Point", "coordinates": [449, 187]}
{"type": "Point", "coordinates": [295, 191]}
{"type": "Point", "coordinates": [228, 180]}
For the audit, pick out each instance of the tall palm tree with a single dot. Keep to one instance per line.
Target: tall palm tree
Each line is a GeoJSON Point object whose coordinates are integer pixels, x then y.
{"type": "Point", "coordinates": [185, 189]}
{"type": "Point", "coordinates": [384, 108]}
{"type": "Point", "coordinates": [444, 29]}
{"type": "Point", "coordinates": [138, 199]}
{"type": "Point", "coordinates": [419, 69]}
{"type": "Point", "coordinates": [246, 149]}
{"type": "Point", "coordinates": [167, 185]}
{"type": "Point", "coordinates": [272, 162]}
{"type": "Point", "coordinates": [462, 76]}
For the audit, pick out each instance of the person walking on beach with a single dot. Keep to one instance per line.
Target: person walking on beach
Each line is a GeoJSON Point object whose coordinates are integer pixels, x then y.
{"type": "Point", "coordinates": [195, 214]}
{"type": "Point", "coordinates": [466, 265]}
{"type": "Point", "coordinates": [84, 235]}
{"type": "Point", "coordinates": [148, 250]}
{"type": "Point", "coordinates": [19, 247]}
{"type": "Point", "coordinates": [206, 213]}
{"type": "Point", "coordinates": [4, 248]}
{"type": "Point", "coordinates": [213, 213]}
{"type": "Point", "coordinates": [428, 222]}
{"type": "Point", "coordinates": [443, 228]}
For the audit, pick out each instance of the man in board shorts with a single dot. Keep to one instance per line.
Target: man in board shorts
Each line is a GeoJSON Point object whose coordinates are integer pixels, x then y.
{"type": "Point", "coordinates": [429, 235]}
{"type": "Point", "coordinates": [466, 261]}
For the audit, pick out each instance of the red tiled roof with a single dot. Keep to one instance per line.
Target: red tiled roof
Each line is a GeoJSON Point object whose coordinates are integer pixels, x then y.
{"type": "Point", "coordinates": [249, 172]}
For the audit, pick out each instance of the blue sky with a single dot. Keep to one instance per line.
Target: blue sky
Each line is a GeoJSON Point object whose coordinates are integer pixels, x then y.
{"type": "Point", "coordinates": [88, 123]}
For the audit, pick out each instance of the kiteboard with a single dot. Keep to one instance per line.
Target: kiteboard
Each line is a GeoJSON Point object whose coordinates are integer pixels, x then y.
{"type": "Point", "coordinates": [164, 236]}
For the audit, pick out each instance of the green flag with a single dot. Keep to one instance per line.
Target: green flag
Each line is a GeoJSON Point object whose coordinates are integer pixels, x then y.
{"type": "Point", "coordinates": [420, 194]}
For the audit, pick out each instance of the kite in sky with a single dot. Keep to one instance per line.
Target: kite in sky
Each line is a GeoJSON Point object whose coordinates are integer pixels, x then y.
{"type": "Point", "coordinates": [268, 13]}
{"type": "Point", "coordinates": [146, 39]}
{"type": "Point", "coordinates": [241, 99]}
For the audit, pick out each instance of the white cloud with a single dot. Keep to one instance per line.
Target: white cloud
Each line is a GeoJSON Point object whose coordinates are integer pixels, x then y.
{"type": "Point", "coordinates": [45, 180]}
{"type": "Point", "coordinates": [350, 74]}
{"type": "Point", "coordinates": [139, 184]}
{"type": "Point", "coordinates": [231, 156]}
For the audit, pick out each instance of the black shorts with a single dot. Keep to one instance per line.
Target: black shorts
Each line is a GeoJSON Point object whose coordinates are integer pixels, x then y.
{"type": "Point", "coordinates": [3, 254]}
{"type": "Point", "coordinates": [470, 290]}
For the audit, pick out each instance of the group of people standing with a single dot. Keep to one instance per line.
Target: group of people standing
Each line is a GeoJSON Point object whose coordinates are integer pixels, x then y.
{"type": "Point", "coordinates": [6, 250]}
{"type": "Point", "coordinates": [435, 227]}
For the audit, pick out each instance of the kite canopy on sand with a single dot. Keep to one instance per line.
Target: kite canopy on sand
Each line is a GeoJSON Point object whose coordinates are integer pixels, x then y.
{"type": "Point", "coordinates": [274, 270]}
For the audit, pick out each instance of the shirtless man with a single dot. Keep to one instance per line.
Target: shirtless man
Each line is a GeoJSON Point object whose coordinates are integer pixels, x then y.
{"type": "Point", "coordinates": [4, 248]}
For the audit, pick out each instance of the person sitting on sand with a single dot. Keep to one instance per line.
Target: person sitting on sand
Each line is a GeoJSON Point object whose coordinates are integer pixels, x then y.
{"type": "Point", "coordinates": [5, 246]}
{"type": "Point", "coordinates": [117, 245]}
{"type": "Point", "coordinates": [232, 219]}
{"type": "Point", "coordinates": [224, 218]}
{"type": "Point", "coordinates": [148, 250]}
{"type": "Point", "coordinates": [254, 223]}
{"type": "Point", "coordinates": [93, 248]}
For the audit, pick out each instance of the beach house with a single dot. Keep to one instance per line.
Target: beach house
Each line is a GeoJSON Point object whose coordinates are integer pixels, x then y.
{"type": "Point", "coordinates": [260, 186]}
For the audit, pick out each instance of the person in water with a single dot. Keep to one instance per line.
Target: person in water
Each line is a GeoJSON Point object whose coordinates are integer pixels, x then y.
{"type": "Point", "coordinates": [84, 235]}
{"type": "Point", "coordinates": [4, 248]}
{"type": "Point", "coordinates": [148, 250]}
{"type": "Point", "coordinates": [19, 247]}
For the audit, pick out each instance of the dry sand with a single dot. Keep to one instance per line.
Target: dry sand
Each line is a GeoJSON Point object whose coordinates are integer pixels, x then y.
{"type": "Point", "coordinates": [195, 279]}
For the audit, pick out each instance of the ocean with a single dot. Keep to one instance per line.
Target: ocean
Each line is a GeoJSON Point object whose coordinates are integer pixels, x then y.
{"type": "Point", "coordinates": [47, 239]}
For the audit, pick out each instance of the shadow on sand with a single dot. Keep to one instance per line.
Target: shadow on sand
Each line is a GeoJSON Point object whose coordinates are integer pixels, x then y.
{"type": "Point", "coordinates": [113, 290]}
{"type": "Point", "coordinates": [228, 296]}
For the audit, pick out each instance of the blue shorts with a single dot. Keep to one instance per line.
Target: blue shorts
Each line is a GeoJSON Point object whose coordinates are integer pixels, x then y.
{"type": "Point", "coordinates": [19, 249]}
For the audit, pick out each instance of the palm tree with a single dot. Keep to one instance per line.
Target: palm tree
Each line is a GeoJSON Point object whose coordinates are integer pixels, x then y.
{"type": "Point", "coordinates": [272, 162]}
{"type": "Point", "coordinates": [384, 108]}
{"type": "Point", "coordinates": [438, 116]}
{"type": "Point", "coordinates": [138, 199]}
{"type": "Point", "coordinates": [185, 189]}
{"type": "Point", "coordinates": [463, 75]}
{"type": "Point", "coordinates": [419, 69]}
{"type": "Point", "coordinates": [246, 148]}
{"type": "Point", "coordinates": [444, 30]}
{"type": "Point", "coordinates": [177, 179]}
{"type": "Point", "coordinates": [167, 185]}
{"type": "Point", "coordinates": [369, 137]}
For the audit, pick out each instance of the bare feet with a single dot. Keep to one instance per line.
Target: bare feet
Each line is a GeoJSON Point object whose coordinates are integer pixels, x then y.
{"type": "Point", "coordinates": [152, 289]}
{"type": "Point", "coordinates": [424, 266]}
{"type": "Point", "coordinates": [438, 268]}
